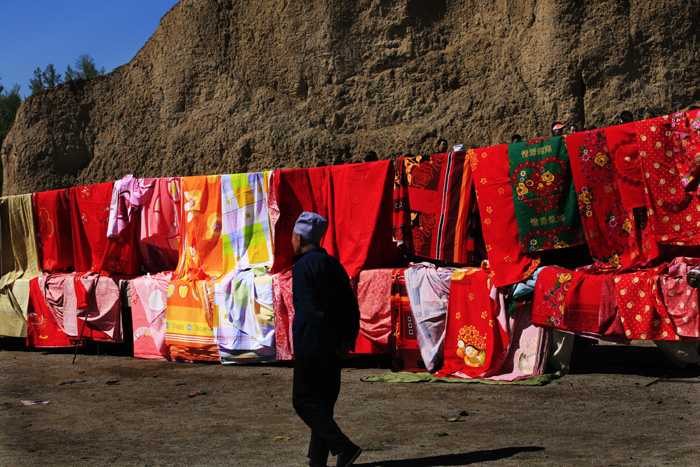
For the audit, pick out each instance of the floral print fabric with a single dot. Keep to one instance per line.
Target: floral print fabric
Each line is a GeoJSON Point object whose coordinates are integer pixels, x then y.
{"type": "Point", "coordinates": [544, 195]}
{"type": "Point", "coordinates": [608, 226]}
{"type": "Point", "coordinates": [549, 301]}
{"type": "Point", "coordinates": [495, 201]}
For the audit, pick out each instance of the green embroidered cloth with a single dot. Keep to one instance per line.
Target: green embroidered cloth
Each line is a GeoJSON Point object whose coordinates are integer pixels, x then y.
{"type": "Point", "coordinates": [544, 196]}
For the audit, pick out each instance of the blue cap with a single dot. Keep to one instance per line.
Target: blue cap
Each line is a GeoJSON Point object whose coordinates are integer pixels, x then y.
{"type": "Point", "coordinates": [311, 227]}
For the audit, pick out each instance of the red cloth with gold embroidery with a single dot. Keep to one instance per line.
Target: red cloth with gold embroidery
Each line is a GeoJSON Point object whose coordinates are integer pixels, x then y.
{"type": "Point", "coordinates": [495, 201]}
{"type": "Point", "coordinates": [549, 299]}
{"type": "Point", "coordinates": [53, 230]}
{"type": "Point", "coordinates": [476, 341]}
{"type": "Point", "coordinates": [674, 214]}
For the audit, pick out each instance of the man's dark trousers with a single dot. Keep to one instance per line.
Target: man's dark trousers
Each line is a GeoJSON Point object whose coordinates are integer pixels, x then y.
{"type": "Point", "coordinates": [315, 391]}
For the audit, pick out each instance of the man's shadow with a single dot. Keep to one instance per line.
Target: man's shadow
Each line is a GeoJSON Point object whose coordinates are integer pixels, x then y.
{"type": "Point", "coordinates": [456, 459]}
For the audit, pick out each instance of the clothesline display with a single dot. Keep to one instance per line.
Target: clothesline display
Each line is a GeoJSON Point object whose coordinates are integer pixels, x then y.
{"type": "Point", "coordinates": [217, 252]}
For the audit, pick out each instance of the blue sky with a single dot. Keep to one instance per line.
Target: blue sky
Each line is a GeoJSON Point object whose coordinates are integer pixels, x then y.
{"type": "Point", "coordinates": [38, 32]}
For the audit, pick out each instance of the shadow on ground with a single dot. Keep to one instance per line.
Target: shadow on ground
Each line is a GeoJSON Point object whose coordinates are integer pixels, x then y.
{"type": "Point", "coordinates": [456, 459]}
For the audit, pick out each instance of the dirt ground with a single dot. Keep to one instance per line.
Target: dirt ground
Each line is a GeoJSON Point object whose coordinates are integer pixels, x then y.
{"type": "Point", "coordinates": [621, 405]}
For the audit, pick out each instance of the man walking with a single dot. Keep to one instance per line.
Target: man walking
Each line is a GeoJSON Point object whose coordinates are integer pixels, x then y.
{"type": "Point", "coordinates": [325, 327]}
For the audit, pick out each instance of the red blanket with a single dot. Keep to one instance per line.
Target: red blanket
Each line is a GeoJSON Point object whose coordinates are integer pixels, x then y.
{"type": "Point", "coordinates": [356, 200]}
{"type": "Point", "coordinates": [609, 227]}
{"type": "Point", "coordinates": [549, 300]}
{"type": "Point", "coordinates": [92, 250]}
{"type": "Point", "coordinates": [53, 227]}
{"type": "Point", "coordinates": [673, 213]}
{"type": "Point", "coordinates": [42, 328]}
{"type": "Point", "coordinates": [583, 300]}
{"type": "Point", "coordinates": [495, 200]}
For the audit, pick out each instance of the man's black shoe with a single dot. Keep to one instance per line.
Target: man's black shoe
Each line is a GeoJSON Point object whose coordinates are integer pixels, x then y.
{"type": "Point", "coordinates": [349, 456]}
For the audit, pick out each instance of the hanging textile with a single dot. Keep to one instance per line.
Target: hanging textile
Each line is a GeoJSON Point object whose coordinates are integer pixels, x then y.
{"type": "Point", "coordinates": [609, 320]}
{"type": "Point", "coordinates": [92, 250]}
{"type": "Point", "coordinates": [244, 326]}
{"type": "Point", "coordinates": [543, 195]}
{"type": "Point", "coordinates": [428, 292]}
{"type": "Point", "coordinates": [374, 299]}
{"type": "Point", "coordinates": [200, 231]}
{"type": "Point", "coordinates": [549, 301]}
{"type": "Point", "coordinates": [584, 299]}
{"type": "Point", "coordinates": [356, 200]}
{"type": "Point", "coordinates": [149, 206]}
{"type": "Point", "coordinates": [401, 230]}
{"type": "Point", "coordinates": [53, 230]}
{"type": "Point", "coordinates": [247, 239]}
{"type": "Point", "coordinates": [189, 335]}
{"type": "Point", "coordinates": [674, 214]}
{"type": "Point", "coordinates": [608, 226]}
{"type": "Point", "coordinates": [128, 195]}
{"type": "Point", "coordinates": [677, 299]}
{"type": "Point", "coordinates": [43, 330]}
{"type": "Point", "coordinates": [639, 313]}
{"type": "Point", "coordinates": [495, 200]}
{"type": "Point", "coordinates": [148, 302]}
{"type": "Point", "coordinates": [405, 351]}
{"type": "Point", "coordinates": [477, 340]}
{"type": "Point", "coordinates": [158, 229]}
{"type": "Point", "coordinates": [283, 307]}
{"type": "Point", "coordinates": [291, 193]}
{"type": "Point", "coordinates": [622, 142]}
{"type": "Point", "coordinates": [19, 263]}
{"type": "Point", "coordinates": [527, 351]}
{"type": "Point", "coordinates": [436, 193]}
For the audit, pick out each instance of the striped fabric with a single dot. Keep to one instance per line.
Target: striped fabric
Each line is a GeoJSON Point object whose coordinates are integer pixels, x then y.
{"type": "Point", "coordinates": [246, 234]}
{"type": "Point", "coordinates": [439, 197]}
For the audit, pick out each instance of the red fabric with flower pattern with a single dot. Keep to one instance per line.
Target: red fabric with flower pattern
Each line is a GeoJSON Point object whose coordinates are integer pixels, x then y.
{"type": "Point", "coordinates": [549, 300]}
{"type": "Point", "coordinates": [609, 227]}
{"type": "Point", "coordinates": [622, 142]}
{"type": "Point", "coordinates": [495, 201]}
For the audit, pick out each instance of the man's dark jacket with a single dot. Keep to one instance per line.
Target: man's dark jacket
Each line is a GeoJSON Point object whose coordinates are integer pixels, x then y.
{"type": "Point", "coordinates": [326, 313]}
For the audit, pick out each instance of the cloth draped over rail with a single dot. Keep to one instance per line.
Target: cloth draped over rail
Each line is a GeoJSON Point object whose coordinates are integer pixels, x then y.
{"type": "Point", "coordinates": [92, 249]}
{"type": "Point", "coordinates": [189, 335]}
{"type": "Point", "coordinates": [428, 290]}
{"type": "Point", "coordinates": [247, 236]}
{"type": "Point", "coordinates": [356, 200]}
{"type": "Point", "coordinates": [149, 206]}
{"type": "Point", "coordinates": [53, 230]}
{"type": "Point", "coordinates": [543, 195]}
{"type": "Point", "coordinates": [148, 317]}
{"type": "Point", "coordinates": [435, 206]}
{"type": "Point", "coordinates": [608, 226]}
{"type": "Point", "coordinates": [507, 261]}
{"type": "Point", "coordinates": [19, 263]}
{"type": "Point", "coordinates": [243, 320]}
